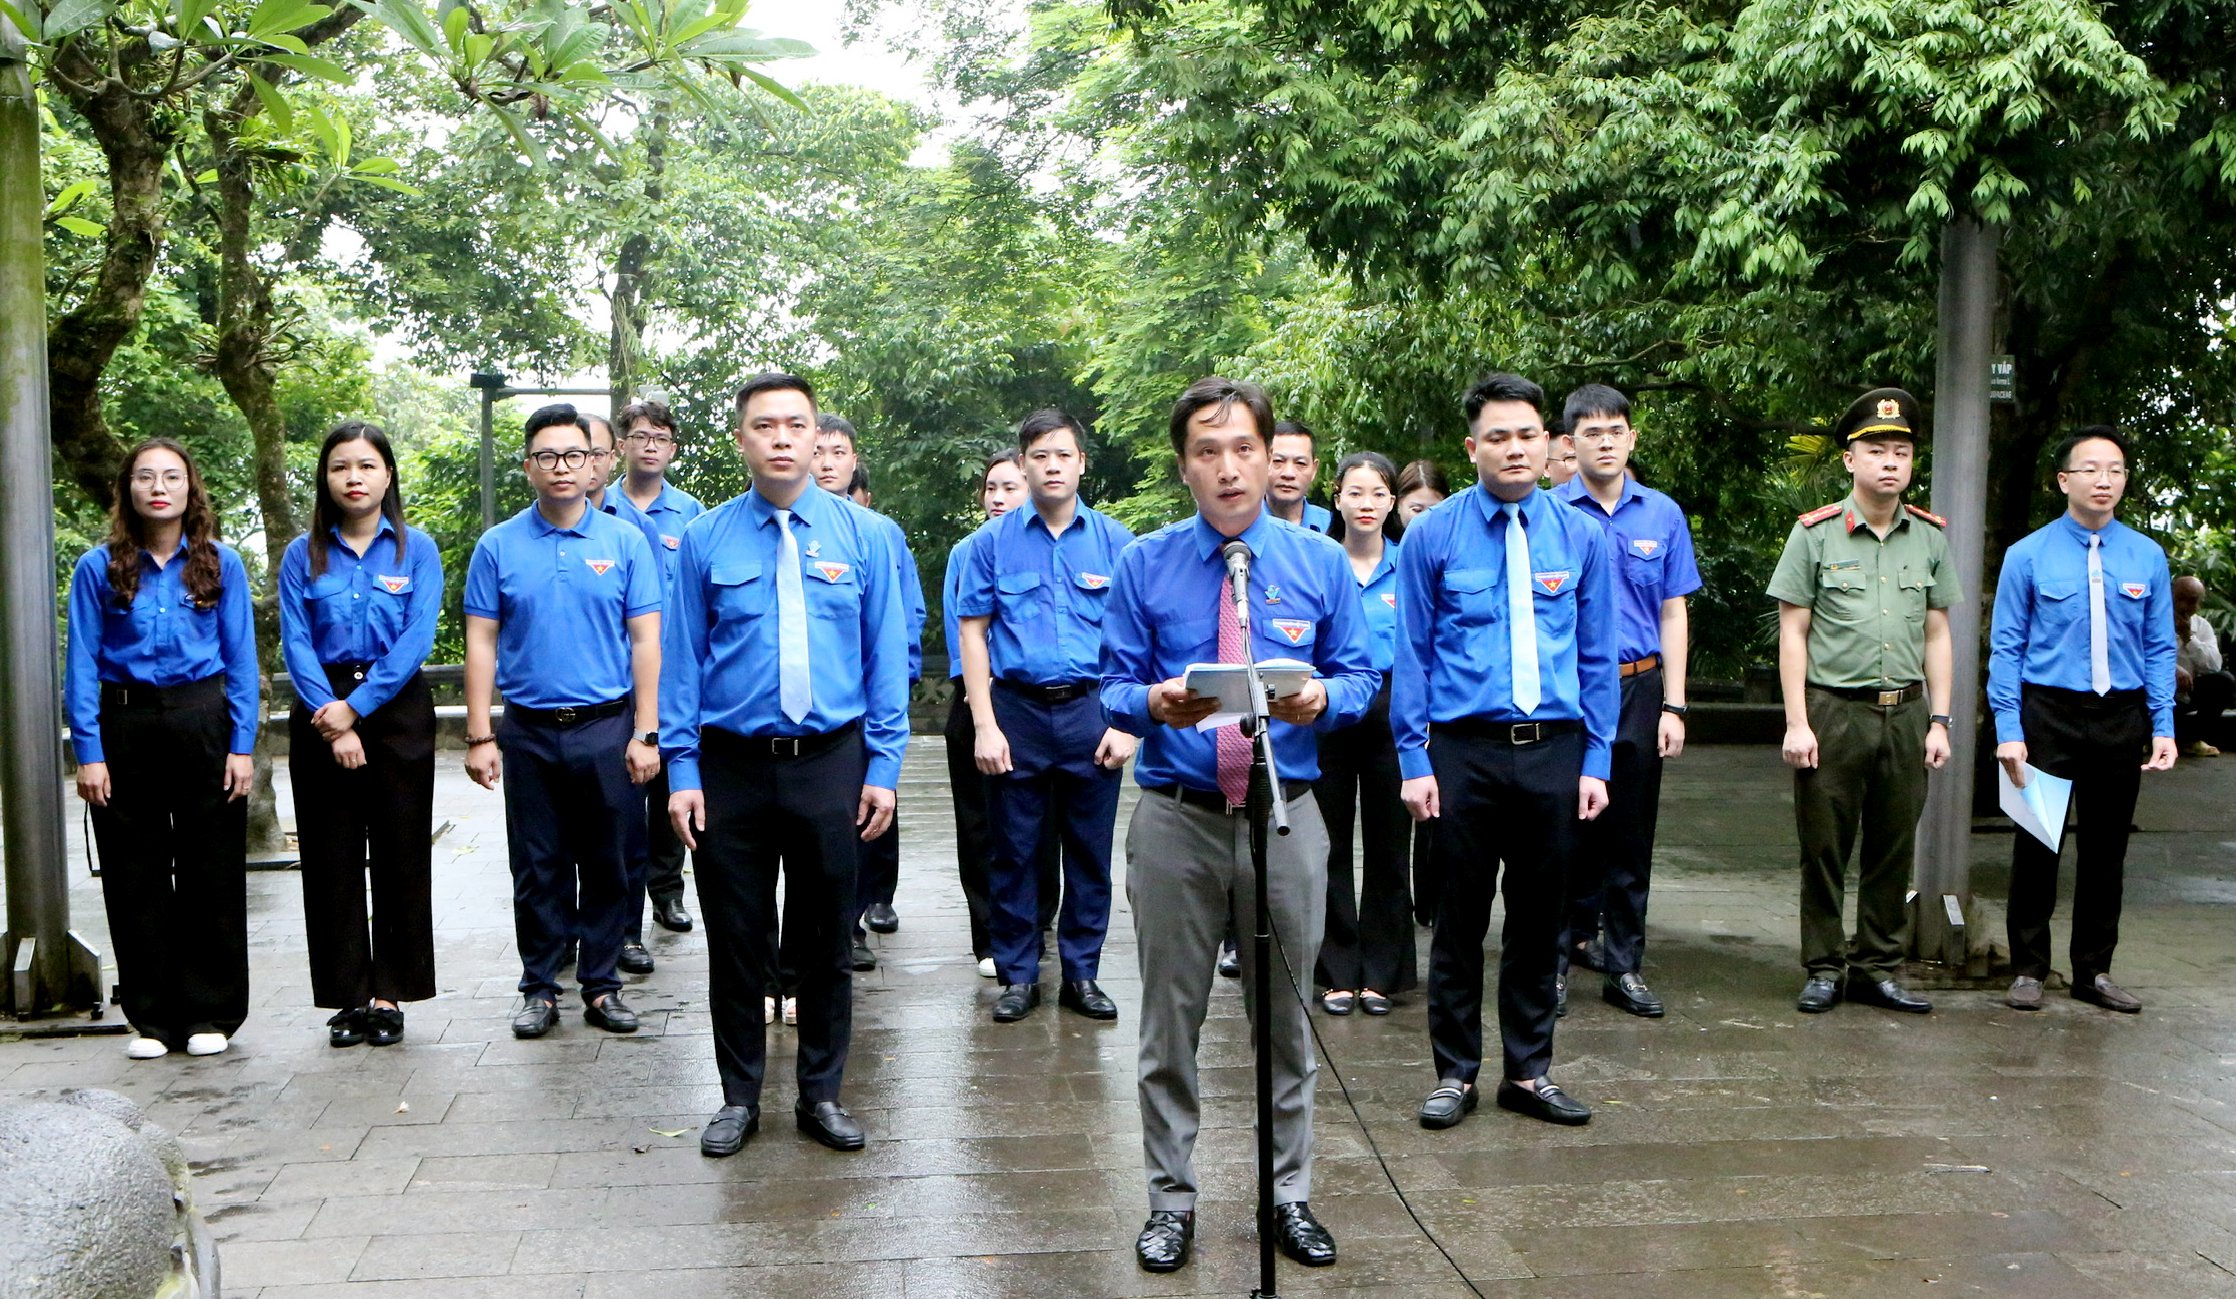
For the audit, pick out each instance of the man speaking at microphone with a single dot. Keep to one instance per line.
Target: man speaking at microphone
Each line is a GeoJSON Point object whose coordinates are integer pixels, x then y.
{"type": "Point", "coordinates": [1189, 873]}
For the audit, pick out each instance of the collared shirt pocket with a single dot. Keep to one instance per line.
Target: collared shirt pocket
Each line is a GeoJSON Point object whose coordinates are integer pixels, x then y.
{"type": "Point", "coordinates": [833, 588]}
{"type": "Point", "coordinates": [1915, 591]}
{"type": "Point", "coordinates": [1471, 595]}
{"type": "Point", "coordinates": [1843, 592]}
{"type": "Point", "coordinates": [1555, 595]}
{"type": "Point", "coordinates": [1644, 568]}
{"type": "Point", "coordinates": [740, 590]}
{"type": "Point", "coordinates": [1090, 595]}
{"type": "Point", "coordinates": [2060, 600]}
{"type": "Point", "coordinates": [1018, 597]}
{"type": "Point", "coordinates": [1287, 636]}
{"type": "Point", "coordinates": [1192, 637]}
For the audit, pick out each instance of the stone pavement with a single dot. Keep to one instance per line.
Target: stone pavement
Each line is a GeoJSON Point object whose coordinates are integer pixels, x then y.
{"type": "Point", "coordinates": [1739, 1149]}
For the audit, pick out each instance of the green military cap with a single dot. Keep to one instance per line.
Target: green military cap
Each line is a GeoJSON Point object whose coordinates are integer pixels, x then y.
{"type": "Point", "coordinates": [1881, 412]}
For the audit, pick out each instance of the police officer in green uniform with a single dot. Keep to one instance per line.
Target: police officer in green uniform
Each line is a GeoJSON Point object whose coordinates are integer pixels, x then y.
{"type": "Point", "coordinates": [1863, 592]}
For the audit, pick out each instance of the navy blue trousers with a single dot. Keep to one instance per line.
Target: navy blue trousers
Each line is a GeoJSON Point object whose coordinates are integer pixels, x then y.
{"type": "Point", "coordinates": [1052, 775]}
{"type": "Point", "coordinates": [569, 809]}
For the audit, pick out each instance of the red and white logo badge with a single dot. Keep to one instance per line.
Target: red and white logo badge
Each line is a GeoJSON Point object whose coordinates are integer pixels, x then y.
{"type": "Point", "coordinates": [1291, 630]}
{"type": "Point", "coordinates": [1094, 581]}
{"type": "Point", "coordinates": [832, 572]}
{"type": "Point", "coordinates": [670, 542]}
{"type": "Point", "coordinates": [599, 566]}
{"type": "Point", "coordinates": [1645, 545]}
{"type": "Point", "coordinates": [2135, 590]}
{"type": "Point", "coordinates": [394, 585]}
{"type": "Point", "coordinates": [1553, 581]}
{"type": "Point", "coordinates": [1390, 599]}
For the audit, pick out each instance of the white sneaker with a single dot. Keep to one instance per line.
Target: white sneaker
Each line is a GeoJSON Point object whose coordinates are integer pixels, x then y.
{"type": "Point", "coordinates": [986, 967]}
{"type": "Point", "coordinates": [145, 1048]}
{"type": "Point", "coordinates": [791, 1010]}
{"type": "Point", "coordinates": [205, 1044]}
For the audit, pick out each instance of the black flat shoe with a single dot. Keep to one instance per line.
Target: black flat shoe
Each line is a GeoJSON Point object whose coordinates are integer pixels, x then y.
{"type": "Point", "coordinates": [346, 1028]}
{"type": "Point", "coordinates": [829, 1123]}
{"type": "Point", "coordinates": [1628, 992]}
{"type": "Point", "coordinates": [1373, 1003]}
{"type": "Point", "coordinates": [725, 1133]}
{"type": "Point", "coordinates": [1545, 1101]}
{"type": "Point", "coordinates": [1452, 1101]}
{"type": "Point", "coordinates": [1086, 998]}
{"type": "Point", "coordinates": [1301, 1236]}
{"type": "Point", "coordinates": [881, 918]}
{"type": "Point", "coordinates": [1819, 995]}
{"type": "Point", "coordinates": [384, 1025]}
{"type": "Point", "coordinates": [864, 958]}
{"type": "Point", "coordinates": [610, 1013]}
{"type": "Point", "coordinates": [1163, 1243]}
{"type": "Point", "coordinates": [634, 959]}
{"type": "Point", "coordinates": [1016, 1002]}
{"type": "Point", "coordinates": [536, 1017]}
{"type": "Point", "coordinates": [672, 915]}
{"type": "Point", "coordinates": [1888, 994]}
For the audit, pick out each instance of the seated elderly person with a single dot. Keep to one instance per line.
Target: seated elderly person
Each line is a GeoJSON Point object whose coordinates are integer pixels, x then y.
{"type": "Point", "coordinates": [2202, 687]}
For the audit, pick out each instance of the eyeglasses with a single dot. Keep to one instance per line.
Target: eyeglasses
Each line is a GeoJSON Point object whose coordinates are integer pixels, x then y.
{"type": "Point", "coordinates": [548, 461]}
{"type": "Point", "coordinates": [2114, 472]}
{"type": "Point", "coordinates": [652, 439]}
{"type": "Point", "coordinates": [169, 478]}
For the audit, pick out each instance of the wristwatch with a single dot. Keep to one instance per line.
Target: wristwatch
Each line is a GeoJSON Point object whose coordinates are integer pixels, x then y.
{"type": "Point", "coordinates": [1944, 719]}
{"type": "Point", "coordinates": [649, 737]}
{"type": "Point", "coordinates": [1674, 710]}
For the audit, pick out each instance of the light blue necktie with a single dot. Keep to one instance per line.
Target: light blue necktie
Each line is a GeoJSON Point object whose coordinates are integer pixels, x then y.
{"type": "Point", "coordinates": [794, 692]}
{"type": "Point", "coordinates": [1521, 610]}
{"type": "Point", "coordinates": [2099, 642]}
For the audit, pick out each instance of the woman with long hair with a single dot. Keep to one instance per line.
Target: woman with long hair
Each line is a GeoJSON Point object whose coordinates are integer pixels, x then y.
{"type": "Point", "coordinates": [358, 598]}
{"type": "Point", "coordinates": [1367, 952]}
{"type": "Point", "coordinates": [160, 684]}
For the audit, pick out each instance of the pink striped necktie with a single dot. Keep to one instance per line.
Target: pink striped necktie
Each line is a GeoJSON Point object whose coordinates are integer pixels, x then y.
{"type": "Point", "coordinates": [1234, 748]}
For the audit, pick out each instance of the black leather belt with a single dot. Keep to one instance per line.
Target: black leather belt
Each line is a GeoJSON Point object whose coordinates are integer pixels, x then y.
{"type": "Point", "coordinates": [1508, 732]}
{"type": "Point", "coordinates": [1062, 694]}
{"type": "Point", "coordinates": [784, 747]}
{"type": "Point", "coordinates": [140, 695]}
{"type": "Point", "coordinates": [1886, 698]}
{"type": "Point", "coordinates": [1210, 801]}
{"type": "Point", "coordinates": [336, 673]}
{"type": "Point", "coordinates": [568, 716]}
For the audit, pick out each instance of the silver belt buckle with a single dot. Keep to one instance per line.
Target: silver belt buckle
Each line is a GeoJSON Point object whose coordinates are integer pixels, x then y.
{"type": "Point", "coordinates": [563, 716]}
{"type": "Point", "coordinates": [1526, 733]}
{"type": "Point", "coordinates": [777, 746]}
{"type": "Point", "coordinates": [1889, 698]}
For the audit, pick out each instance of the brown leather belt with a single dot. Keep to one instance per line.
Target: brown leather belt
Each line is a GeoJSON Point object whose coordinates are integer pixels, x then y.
{"type": "Point", "coordinates": [1646, 664]}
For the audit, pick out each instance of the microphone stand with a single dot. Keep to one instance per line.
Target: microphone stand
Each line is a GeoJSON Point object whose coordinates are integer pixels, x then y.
{"type": "Point", "coordinates": [1264, 808]}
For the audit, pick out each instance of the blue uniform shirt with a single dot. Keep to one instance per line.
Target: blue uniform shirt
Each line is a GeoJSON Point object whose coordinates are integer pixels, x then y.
{"type": "Point", "coordinates": [1164, 615]}
{"type": "Point", "coordinates": [562, 598]}
{"type": "Point", "coordinates": [718, 664]}
{"type": "Point", "coordinates": [669, 514]}
{"type": "Point", "coordinates": [360, 610]}
{"type": "Point", "coordinates": [1378, 597]}
{"type": "Point", "coordinates": [1653, 559]}
{"type": "Point", "coordinates": [1453, 657]}
{"type": "Point", "coordinates": [1045, 595]}
{"type": "Point", "coordinates": [613, 502]}
{"type": "Point", "coordinates": [1316, 517]}
{"type": "Point", "coordinates": [2040, 632]}
{"type": "Point", "coordinates": [958, 562]}
{"type": "Point", "coordinates": [161, 640]}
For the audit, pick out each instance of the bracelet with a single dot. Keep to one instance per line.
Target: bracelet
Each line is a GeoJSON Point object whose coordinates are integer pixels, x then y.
{"type": "Point", "coordinates": [474, 740]}
{"type": "Point", "coordinates": [1942, 718]}
{"type": "Point", "coordinates": [1674, 710]}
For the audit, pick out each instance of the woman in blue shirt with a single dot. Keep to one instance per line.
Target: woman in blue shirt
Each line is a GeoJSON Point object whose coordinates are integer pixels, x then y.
{"type": "Point", "coordinates": [161, 688]}
{"type": "Point", "coordinates": [1367, 952]}
{"type": "Point", "coordinates": [358, 597]}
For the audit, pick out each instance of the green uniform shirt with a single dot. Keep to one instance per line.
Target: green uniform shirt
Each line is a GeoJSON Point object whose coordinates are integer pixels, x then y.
{"type": "Point", "coordinates": [1866, 597]}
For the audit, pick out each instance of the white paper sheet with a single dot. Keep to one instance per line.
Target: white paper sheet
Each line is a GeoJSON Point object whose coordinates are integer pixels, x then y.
{"type": "Point", "coordinates": [1230, 682]}
{"type": "Point", "coordinates": [2037, 807]}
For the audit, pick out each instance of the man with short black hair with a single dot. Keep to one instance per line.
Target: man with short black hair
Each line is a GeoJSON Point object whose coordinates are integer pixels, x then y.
{"type": "Point", "coordinates": [1296, 465]}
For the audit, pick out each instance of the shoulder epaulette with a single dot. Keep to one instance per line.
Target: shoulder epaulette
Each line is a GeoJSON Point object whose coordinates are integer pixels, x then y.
{"type": "Point", "coordinates": [1930, 517]}
{"type": "Point", "coordinates": [1820, 514]}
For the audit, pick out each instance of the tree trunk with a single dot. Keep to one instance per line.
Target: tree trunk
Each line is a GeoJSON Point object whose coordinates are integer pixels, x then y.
{"type": "Point", "coordinates": [244, 334]}
{"type": "Point", "coordinates": [633, 273]}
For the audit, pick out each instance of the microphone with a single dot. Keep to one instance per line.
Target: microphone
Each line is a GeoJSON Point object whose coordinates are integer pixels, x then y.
{"type": "Point", "coordinates": [1237, 554]}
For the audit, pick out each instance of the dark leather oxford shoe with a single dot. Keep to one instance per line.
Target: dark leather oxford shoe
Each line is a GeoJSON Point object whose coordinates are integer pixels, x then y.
{"type": "Point", "coordinates": [829, 1123]}
{"type": "Point", "coordinates": [634, 959]}
{"type": "Point", "coordinates": [1016, 1002]}
{"type": "Point", "coordinates": [1819, 995]}
{"type": "Point", "coordinates": [864, 958]}
{"type": "Point", "coordinates": [610, 1013]}
{"type": "Point", "coordinates": [725, 1133]}
{"type": "Point", "coordinates": [346, 1028]}
{"type": "Point", "coordinates": [384, 1025]}
{"type": "Point", "coordinates": [1889, 994]}
{"type": "Point", "coordinates": [536, 1017]}
{"type": "Point", "coordinates": [1545, 1101]}
{"type": "Point", "coordinates": [672, 914]}
{"type": "Point", "coordinates": [881, 918]}
{"type": "Point", "coordinates": [1628, 992]}
{"type": "Point", "coordinates": [1591, 955]}
{"type": "Point", "coordinates": [1452, 1101]}
{"type": "Point", "coordinates": [1163, 1243]}
{"type": "Point", "coordinates": [1087, 998]}
{"type": "Point", "coordinates": [1301, 1236]}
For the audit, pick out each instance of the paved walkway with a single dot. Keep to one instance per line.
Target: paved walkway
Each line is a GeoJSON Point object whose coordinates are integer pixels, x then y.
{"type": "Point", "coordinates": [1739, 1149]}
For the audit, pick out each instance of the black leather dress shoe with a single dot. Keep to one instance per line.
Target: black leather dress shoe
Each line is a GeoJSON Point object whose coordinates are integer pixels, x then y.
{"type": "Point", "coordinates": [864, 958]}
{"type": "Point", "coordinates": [634, 959]}
{"type": "Point", "coordinates": [1163, 1243]}
{"type": "Point", "coordinates": [1085, 997]}
{"type": "Point", "coordinates": [610, 1013]}
{"type": "Point", "coordinates": [1819, 995]}
{"type": "Point", "coordinates": [881, 918]}
{"type": "Point", "coordinates": [1591, 955]}
{"type": "Point", "coordinates": [1301, 1236]}
{"type": "Point", "coordinates": [1560, 999]}
{"type": "Point", "coordinates": [1628, 992]}
{"type": "Point", "coordinates": [672, 914]}
{"type": "Point", "coordinates": [536, 1017]}
{"type": "Point", "coordinates": [346, 1028]}
{"type": "Point", "coordinates": [1452, 1101]}
{"type": "Point", "coordinates": [1016, 1002]}
{"type": "Point", "coordinates": [1230, 963]}
{"type": "Point", "coordinates": [829, 1123]}
{"type": "Point", "coordinates": [1889, 994]}
{"type": "Point", "coordinates": [725, 1133]}
{"type": "Point", "coordinates": [1546, 1101]}
{"type": "Point", "coordinates": [384, 1025]}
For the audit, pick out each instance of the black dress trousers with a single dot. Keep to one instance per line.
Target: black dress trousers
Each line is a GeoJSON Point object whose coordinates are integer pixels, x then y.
{"type": "Point", "coordinates": [373, 823]}
{"type": "Point", "coordinates": [568, 807]}
{"type": "Point", "coordinates": [2100, 743]}
{"type": "Point", "coordinates": [1615, 850]}
{"type": "Point", "coordinates": [972, 791]}
{"type": "Point", "coordinates": [1369, 938]}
